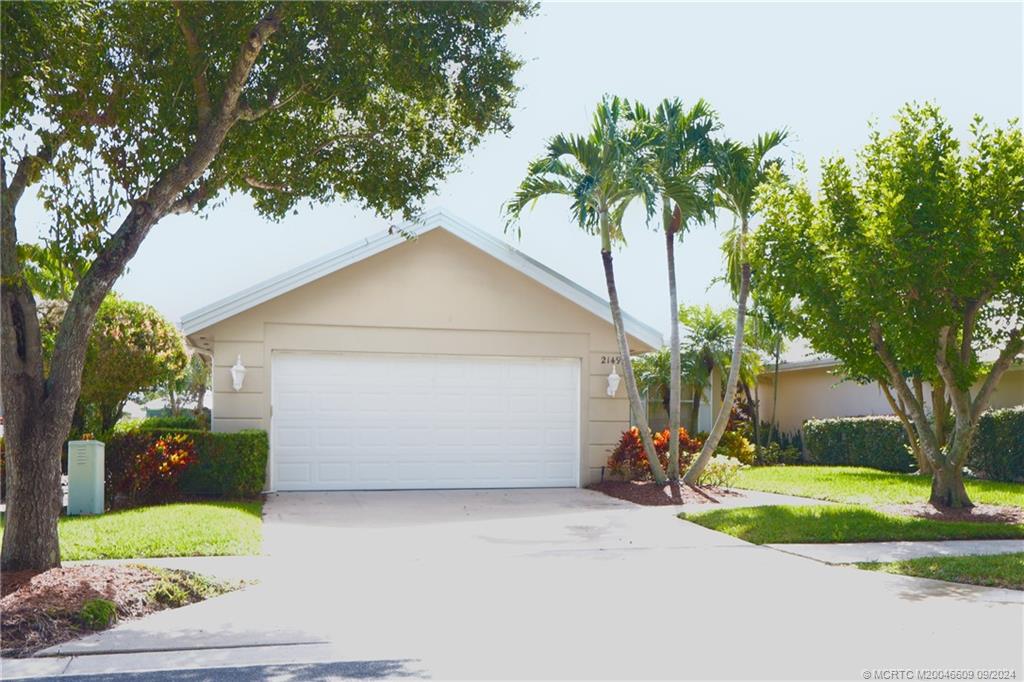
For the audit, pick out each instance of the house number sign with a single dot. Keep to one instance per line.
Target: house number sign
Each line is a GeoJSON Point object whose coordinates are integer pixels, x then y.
{"type": "Point", "coordinates": [611, 360]}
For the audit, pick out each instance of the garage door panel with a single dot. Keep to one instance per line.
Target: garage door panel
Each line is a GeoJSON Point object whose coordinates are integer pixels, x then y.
{"type": "Point", "coordinates": [364, 421]}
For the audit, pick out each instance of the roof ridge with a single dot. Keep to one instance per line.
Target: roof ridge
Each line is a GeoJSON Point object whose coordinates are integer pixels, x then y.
{"type": "Point", "coordinates": [431, 219]}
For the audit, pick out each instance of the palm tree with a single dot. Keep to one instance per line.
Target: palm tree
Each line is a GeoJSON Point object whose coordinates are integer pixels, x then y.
{"type": "Point", "coordinates": [653, 375]}
{"type": "Point", "coordinates": [707, 347]}
{"type": "Point", "coordinates": [678, 160]}
{"type": "Point", "coordinates": [739, 169]}
{"type": "Point", "coordinates": [602, 172]}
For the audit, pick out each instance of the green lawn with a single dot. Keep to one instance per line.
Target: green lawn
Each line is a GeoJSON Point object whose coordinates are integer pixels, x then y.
{"type": "Point", "coordinates": [840, 523]}
{"type": "Point", "coordinates": [995, 570]}
{"type": "Point", "coordinates": [185, 529]}
{"type": "Point", "coordinates": [857, 485]}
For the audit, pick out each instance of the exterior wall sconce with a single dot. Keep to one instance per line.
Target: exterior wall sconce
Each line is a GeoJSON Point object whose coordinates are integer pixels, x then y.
{"type": "Point", "coordinates": [613, 382]}
{"type": "Point", "coordinates": [238, 374]}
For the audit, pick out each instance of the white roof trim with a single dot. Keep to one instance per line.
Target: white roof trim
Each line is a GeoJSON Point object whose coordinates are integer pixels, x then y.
{"type": "Point", "coordinates": [209, 315]}
{"type": "Point", "coordinates": [830, 362]}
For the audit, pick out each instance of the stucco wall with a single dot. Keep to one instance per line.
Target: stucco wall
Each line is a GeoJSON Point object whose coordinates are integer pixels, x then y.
{"type": "Point", "coordinates": [434, 295]}
{"type": "Point", "coordinates": [814, 393]}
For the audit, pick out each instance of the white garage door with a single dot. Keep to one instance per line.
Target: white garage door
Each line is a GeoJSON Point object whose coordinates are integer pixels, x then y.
{"type": "Point", "coordinates": [380, 422]}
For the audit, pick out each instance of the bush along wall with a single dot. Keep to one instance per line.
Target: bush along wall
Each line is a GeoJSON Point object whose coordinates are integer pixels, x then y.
{"type": "Point", "coordinates": [998, 448]}
{"type": "Point", "coordinates": [877, 442]}
{"type": "Point", "coordinates": [148, 465]}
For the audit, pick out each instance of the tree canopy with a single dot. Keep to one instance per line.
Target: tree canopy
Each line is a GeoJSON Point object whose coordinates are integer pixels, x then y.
{"type": "Point", "coordinates": [918, 238]}
{"type": "Point", "coordinates": [908, 264]}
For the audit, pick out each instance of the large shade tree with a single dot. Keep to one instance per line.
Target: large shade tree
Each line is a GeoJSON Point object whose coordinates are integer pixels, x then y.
{"type": "Point", "coordinates": [739, 171]}
{"type": "Point", "coordinates": [602, 172]}
{"type": "Point", "coordinates": [909, 263]}
{"type": "Point", "coordinates": [679, 156]}
{"type": "Point", "coordinates": [119, 114]}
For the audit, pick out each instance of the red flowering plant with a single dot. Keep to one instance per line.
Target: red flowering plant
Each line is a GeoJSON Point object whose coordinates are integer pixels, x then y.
{"type": "Point", "coordinates": [629, 460]}
{"type": "Point", "coordinates": [159, 469]}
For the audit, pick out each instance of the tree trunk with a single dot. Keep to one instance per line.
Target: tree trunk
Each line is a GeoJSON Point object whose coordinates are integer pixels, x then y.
{"type": "Point", "coordinates": [948, 489]}
{"type": "Point", "coordinates": [773, 428]}
{"type": "Point", "coordinates": [722, 419]}
{"type": "Point", "coordinates": [629, 379]}
{"type": "Point", "coordinates": [33, 484]}
{"type": "Point", "coordinates": [698, 395]}
{"type": "Point", "coordinates": [939, 410]}
{"type": "Point", "coordinates": [110, 415]}
{"type": "Point", "coordinates": [757, 422]}
{"type": "Point", "coordinates": [675, 381]}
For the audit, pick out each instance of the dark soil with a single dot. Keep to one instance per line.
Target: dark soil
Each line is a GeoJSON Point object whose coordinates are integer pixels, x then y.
{"type": "Point", "coordinates": [981, 513]}
{"type": "Point", "coordinates": [650, 494]}
{"type": "Point", "coordinates": [38, 610]}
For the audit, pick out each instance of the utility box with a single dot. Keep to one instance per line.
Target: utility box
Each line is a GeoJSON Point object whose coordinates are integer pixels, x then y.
{"type": "Point", "coordinates": [85, 477]}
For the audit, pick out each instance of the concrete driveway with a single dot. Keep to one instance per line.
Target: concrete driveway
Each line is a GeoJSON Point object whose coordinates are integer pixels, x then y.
{"type": "Point", "coordinates": [566, 584]}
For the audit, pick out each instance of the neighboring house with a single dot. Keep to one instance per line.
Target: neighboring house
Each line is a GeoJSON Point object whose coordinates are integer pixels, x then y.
{"type": "Point", "coordinates": [814, 389]}
{"type": "Point", "coordinates": [448, 361]}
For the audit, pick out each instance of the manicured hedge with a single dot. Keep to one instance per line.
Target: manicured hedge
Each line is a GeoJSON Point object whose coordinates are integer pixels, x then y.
{"type": "Point", "coordinates": [877, 442]}
{"type": "Point", "coordinates": [230, 465]}
{"type": "Point", "coordinates": [998, 448]}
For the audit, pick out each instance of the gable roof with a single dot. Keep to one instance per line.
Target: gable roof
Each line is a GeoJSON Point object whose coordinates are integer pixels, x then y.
{"type": "Point", "coordinates": [431, 220]}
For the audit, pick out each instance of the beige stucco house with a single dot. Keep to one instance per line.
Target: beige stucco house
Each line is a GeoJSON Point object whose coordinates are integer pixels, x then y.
{"type": "Point", "coordinates": [813, 389]}
{"type": "Point", "coordinates": [451, 360]}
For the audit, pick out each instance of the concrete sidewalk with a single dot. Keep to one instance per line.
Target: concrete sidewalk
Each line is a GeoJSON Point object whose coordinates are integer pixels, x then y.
{"type": "Point", "coordinates": [856, 552]}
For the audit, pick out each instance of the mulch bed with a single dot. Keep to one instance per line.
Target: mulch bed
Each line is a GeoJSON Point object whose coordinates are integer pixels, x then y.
{"type": "Point", "coordinates": [981, 513]}
{"type": "Point", "coordinates": [38, 610]}
{"type": "Point", "coordinates": [650, 494]}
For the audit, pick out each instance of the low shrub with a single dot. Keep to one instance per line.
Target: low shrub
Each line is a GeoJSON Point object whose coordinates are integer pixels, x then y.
{"type": "Point", "coordinates": [97, 614]}
{"type": "Point", "coordinates": [230, 465]}
{"type": "Point", "coordinates": [998, 449]}
{"type": "Point", "coordinates": [773, 454]}
{"type": "Point", "coordinates": [186, 420]}
{"type": "Point", "coordinates": [734, 444]}
{"type": "Point", "coordinates": [157, 472]}
{"type": "Point", "coordinates": [877, 442]}
{"type": "Point", "coordinates": [720, 472]}
{"type": "Point", "coordinates": [629, 460]}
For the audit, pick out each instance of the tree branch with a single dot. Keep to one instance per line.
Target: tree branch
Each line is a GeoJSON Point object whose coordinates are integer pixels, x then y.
{"type": "Point", "coordinates": [29, 168]}
{"type": "Point", "coordinates": [247, 113]}
{"type": "Point", "coordinates": [258, 37]}
{"type": "Point", "coordinates": [195, 57]}
{"type": "Point", "coordinates": [189, 200]}
{"type": "Point", "coordinates": [900, 411]}
{"type": "Point", "coordinates": [970, 319]}
{"type": "Point", "coordinates": [261, 184]}
{"type": "Point", "coordinates": [1014, 347]}
{"type": "Point", "coordinates": [925, 434]}
{"type": "Point", "coordinates": [961, 398]}
{"type": "Point", "coordinates": [21, 360]}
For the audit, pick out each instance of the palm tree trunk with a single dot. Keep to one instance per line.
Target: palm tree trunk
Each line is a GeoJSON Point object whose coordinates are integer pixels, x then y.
{"type": "Point", "coordinates": [698, 395]}
{"type": "Point", "coordinates": [722, 419]}
{"type": "Point", "coordinates": [675, 380]}
{"type": "Point", "coordinates": [636, 405]}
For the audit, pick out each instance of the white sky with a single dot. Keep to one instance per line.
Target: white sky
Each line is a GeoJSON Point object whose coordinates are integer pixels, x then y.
{"type": "Point", "coordinates": [820, 69]}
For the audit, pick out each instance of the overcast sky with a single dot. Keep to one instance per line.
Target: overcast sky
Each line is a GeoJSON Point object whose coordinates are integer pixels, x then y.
{"type": "Point", "coordinates": [820, 70]}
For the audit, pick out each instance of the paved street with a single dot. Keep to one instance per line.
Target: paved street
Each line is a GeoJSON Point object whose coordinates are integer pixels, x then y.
{"type": "Point", "coordinates": [554, 584]}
